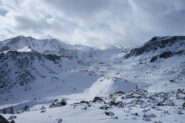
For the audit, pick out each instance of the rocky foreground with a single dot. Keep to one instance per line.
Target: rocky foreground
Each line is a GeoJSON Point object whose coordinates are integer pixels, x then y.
{"type": "Point", "coordinates": [135, 105]}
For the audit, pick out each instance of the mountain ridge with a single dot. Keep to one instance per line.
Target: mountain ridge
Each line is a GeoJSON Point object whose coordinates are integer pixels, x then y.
{"type": "Point", "coordinates": [44, 80]}
{"type": "Point", "coordinates": [158, 43]}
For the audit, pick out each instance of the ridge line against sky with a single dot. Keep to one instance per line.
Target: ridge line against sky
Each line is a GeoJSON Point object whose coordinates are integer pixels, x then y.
{"type": "Point", "coordinates": [97, 23]}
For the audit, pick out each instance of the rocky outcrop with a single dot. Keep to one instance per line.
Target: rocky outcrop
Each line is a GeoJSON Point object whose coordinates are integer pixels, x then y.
{"type": "Point", "coordinates": [166, 54]}
{"type": "Point", "coordinates": [17, 67]}
{"type": "Point", "coordinates": [157, 43]}
{"type": "Point", "coordinates": [3, 120]}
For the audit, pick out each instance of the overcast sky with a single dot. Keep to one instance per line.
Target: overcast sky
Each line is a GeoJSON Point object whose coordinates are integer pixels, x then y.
{"type": "Point", "coordinates": [99, 23]}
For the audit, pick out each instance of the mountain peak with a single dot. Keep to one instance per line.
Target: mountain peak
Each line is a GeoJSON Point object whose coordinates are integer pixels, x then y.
{"type": "Point", "coordinates": [19, 43]}
{"type": "Point", "coordinates": [49, 46]}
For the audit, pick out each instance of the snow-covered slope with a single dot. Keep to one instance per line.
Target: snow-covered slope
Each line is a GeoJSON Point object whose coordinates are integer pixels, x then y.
{"type": "Point", "coordinates": [36, 73]}
{"type": "Point", "coordinates": [49, 46]}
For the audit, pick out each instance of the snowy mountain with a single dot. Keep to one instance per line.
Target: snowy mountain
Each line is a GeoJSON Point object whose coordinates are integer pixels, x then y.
{"type": "Point", "coordinates": [174, 44]}
{"type": "Point", "coordinates": [46, 78]}
{"type": "Point", "coordinates": [46, 46]}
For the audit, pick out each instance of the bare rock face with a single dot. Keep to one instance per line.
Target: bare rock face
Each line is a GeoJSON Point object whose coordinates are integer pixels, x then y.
{"type": "Point", "coordinates": [166, 54]}
{"type": "Point", "coordinates": [3, 120]}
{"type": "Point", "coordinates": [157, 43]}
{"type": "Point", "coordinates": [20, 65]}
{"type": "Point", "coordinates": [109, 113]}
{"type": "Point", "coordinates": [98, 99]}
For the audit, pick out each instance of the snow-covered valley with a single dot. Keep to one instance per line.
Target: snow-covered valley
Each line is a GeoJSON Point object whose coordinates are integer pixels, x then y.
{"type": "Point", "coordinates": [52, 82]}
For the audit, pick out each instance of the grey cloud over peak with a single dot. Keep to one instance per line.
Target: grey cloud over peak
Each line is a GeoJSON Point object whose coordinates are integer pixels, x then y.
{"type": "Point", "coordinates": [98, 23]}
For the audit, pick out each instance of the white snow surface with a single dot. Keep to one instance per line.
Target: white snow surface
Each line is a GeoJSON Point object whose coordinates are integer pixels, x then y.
{"type": "Point", "coordinates": [88, 74]}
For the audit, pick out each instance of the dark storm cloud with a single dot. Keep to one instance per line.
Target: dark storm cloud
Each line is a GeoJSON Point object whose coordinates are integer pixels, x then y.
{"type": "Point", "coordinates": [100, 23]}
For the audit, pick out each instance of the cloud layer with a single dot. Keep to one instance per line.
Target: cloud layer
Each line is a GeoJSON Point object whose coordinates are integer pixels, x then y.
{"type": "Point", "coordinates": [98, 23]}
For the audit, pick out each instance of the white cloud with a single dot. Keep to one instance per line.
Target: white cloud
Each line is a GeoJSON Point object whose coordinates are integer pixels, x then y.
{"type": "Point", "coordinates": [99, 23]}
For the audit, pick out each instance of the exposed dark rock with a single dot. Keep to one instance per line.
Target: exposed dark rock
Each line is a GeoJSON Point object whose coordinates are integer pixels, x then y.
{"type": "Point", "coordinates": [59, 120]}
{"type": "Point", "coordinates": [52, 57]}
{"type": "Point", "coordinates": [15, 40]}
{"type": "Point", "coordinates": [83, 101]}
{"type": "Point", "coordinates": [98, 99]}
{"type": "Point", "coordinates": [12, 121]}
{"type": "Point", "coordinates": [114, 117]}
{"type": "Point", "coordinates": [43, 111]}
{"type": "Point", "coordinates": [1, 55]}
{"type": "Point", "coordinates": [153, 59]}
{"type": "Point", "coordinates": [183, 105]}
{"type": "Point", "coordinates": [166, 54]}
{"type": "Point", "coordinates": [3, 120]}
{"type": "Point", "coordinates": [171, 80]}
{"type": "Point", "coordinates": [4, 48]}
{"type": "Point", "coordinates": [63, 102]}
{"type": "Point", "coordinates": [160, 104]}
{"type": "Point", "coordinates": [120, 92]}
{"type": "Point", "coordinates": [23, 63]}
{"type": "Point", "coordinates": [116, 103]}
{"type": "Point", "coordinates": [12, 117]}
{"type": "Point", "coordinates": [135, 114]}
{"type": "Point", "coordinates": [147, 117]}
{"type": "Point", "coordinates": [104, 107]}
{"type": "Point", "coordinates": [179, 52]}
{"type": "Point", "coordinates": [154, 44]}
{"type": "Point", "coordinates": [8, 110]}
{"type": "Point", "coordinates": [26, 108]}
{"type": "Point", "coordinates": [109, 113]}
